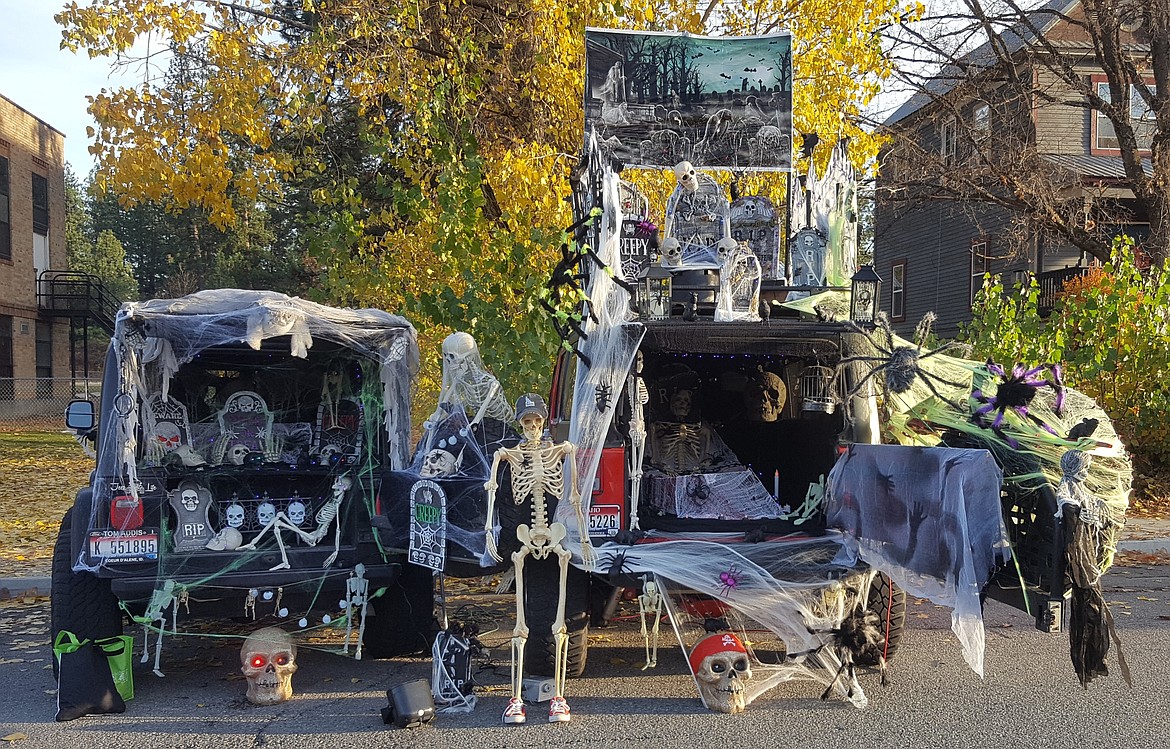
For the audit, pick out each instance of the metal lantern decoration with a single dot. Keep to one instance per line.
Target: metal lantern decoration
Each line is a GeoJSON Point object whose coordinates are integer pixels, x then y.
{"type": "Point", "coordinates": [867, 286]}
{"type": "Point", "coordinates": [816, 389]}
{"type": "Point", "coordinates": [653, 295]}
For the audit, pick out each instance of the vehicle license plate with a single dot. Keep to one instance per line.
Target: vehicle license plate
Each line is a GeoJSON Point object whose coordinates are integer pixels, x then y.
{"type": "Point", "coordinates": [137, 545]}
{"type": "Point", "coordinates": [605, 520]}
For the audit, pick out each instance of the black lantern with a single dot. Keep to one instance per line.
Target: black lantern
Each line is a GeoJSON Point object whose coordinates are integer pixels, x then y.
{"type": "Point", "coordinates": [867, 286]}
{"type": "Point", "coordinates": [653, 297]}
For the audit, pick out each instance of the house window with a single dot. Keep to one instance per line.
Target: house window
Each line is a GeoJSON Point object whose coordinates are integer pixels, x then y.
{"type": "Point", "coordinates": [40, 204]}
{"type": "Point", "coordinates": [981, 120]}
{"type": "Point", "coordinates": [5, 220]}
{"type": "Point", "coordinates": [947, 137]}
{"type": "Point", "coordinates": [980, 264]}
{"type": "Point", "coordinates": [898, 291]}
{"type": "Point", "coordinates": [1140, 116]}
{"type": "Point", "coordinates": [44, 359]}
{"type": "Point", "coordinates": [7, 391]}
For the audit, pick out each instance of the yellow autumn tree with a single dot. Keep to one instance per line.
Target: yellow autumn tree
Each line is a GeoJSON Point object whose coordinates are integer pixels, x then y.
{"type": "Point", "coordinates": [466, 116]}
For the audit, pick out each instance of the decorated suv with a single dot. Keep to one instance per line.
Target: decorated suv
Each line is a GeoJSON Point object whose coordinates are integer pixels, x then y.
{"type": "Point", "coordinates": [240, 442]}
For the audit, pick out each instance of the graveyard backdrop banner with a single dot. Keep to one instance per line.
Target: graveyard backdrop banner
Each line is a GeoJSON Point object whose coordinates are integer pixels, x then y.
{"type": "Point", "coordinates": [655, 99]}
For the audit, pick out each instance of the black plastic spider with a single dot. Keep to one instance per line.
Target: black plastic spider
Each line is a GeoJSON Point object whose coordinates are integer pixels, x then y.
{"type": "Point", "coordinates": [1015, 392]}
{"type": "Point", "coordinates": [901, 365]}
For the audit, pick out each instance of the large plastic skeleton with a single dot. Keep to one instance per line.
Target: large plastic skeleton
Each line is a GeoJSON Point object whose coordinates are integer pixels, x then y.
{"type": "Point", "coordinates": [468, 383]}
{"type": "Point", "coordinates": [325, 517]}
{"type": "Point", "coordinates": [537, 467]}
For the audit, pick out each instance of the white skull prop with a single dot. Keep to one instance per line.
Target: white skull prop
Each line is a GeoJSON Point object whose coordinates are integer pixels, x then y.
{"type": "Point", "coordinates": [671, 252]}
{"type": "Point", "coordinates": [228, 539]}
{"type": "Point", "coordinates": [268, 661]}
{"type": "Point", "coordinates": [727, 249]}
{"type": "Point", "coordinates": [296, 513]}
{"type": "Point", "coordinates": [458, 348]}
{"type": "Point", "coordinates": [722, 668]}
{"type": "Point", "coordinates": [685, 174]}
{"type": "Point", "coordinates": [235, 515]}
{"type": "Point", "coordinates": [764, 397]}
{"type": "Point", "coordinates": [237, 453]}
{"type": "Point", "coordinates": [168, 436]}
{"type": "Point", "coordinates": [190, 500]}
{"type": "Point", "coordinates": [440, 462]}
{"type": "Point", "coordinates": [266, 513]}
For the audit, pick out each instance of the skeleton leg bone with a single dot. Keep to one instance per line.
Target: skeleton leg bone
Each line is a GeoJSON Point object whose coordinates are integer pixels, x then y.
{"type": "Point", "coordinates": [559, 709]}
{"type": "Point", "coordinates": [519, 636]}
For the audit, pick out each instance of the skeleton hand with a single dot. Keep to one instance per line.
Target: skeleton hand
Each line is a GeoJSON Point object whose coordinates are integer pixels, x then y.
{"type": "Point", "coordinates": [588, 557]}
{"type": "Point", "coordinates": [490, 544]}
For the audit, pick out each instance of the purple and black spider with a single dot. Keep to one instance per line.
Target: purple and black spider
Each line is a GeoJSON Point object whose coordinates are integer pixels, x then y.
{"type": "Point", "coordinates": [901, 365]}
{"type": "Point", "coordinates": [1015, 392]}
{"type": "Point", "coordinates": [730, 581]}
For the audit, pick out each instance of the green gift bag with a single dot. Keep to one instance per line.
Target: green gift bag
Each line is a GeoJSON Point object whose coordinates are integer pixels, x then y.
{"type": "Point", "coordinates": [120, 653]}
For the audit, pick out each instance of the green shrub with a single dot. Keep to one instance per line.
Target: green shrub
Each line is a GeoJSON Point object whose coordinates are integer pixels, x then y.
{"type": "Point", "coordinates": [1109, 331]}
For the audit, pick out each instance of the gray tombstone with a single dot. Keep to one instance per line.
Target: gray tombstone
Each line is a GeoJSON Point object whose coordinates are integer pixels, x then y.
{"type": "Point", "coordinates": [755, 220]}
{"type": "Point", "coordinates": [698, 221]}
{"type": "Point", "coordinates": [191, 502]}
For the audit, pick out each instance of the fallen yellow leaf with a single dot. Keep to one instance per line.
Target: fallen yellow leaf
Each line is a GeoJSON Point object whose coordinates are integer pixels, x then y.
{"type": "Point", "coordinates": [17, 736]}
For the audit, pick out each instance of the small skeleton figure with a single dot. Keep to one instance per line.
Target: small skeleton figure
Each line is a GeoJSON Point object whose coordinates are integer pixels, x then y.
{"type": "Point", "coordinates": [325, 517]}
{"type": "Point", "coordinates": [268, 660]}
{"type": "Point", "coordinates": [537, 467]}
{"type": "Point", "coordinates": [650, 603]}
{"type": "Point", "coordinates": [639, 397]}
{"type": "Point", "coordinates": [721, 666]}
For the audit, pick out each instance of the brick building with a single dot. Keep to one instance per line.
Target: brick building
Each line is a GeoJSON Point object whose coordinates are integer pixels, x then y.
{"type": "Point", "coordinates": [33, 346]}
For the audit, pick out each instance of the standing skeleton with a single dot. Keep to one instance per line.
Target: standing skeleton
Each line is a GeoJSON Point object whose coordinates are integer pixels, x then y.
{"type": "Point", "coordinates": [537, 467]}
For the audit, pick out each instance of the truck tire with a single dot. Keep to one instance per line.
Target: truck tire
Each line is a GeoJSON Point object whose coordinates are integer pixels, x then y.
{"type": "Point", "coordinates": [541, 584]}
{"type": "Point", "coordinates": [81, 602]}
{"type": "Point", "coordinates": [404, 616]}
{"type": "Point", "coordinates": [888, 601]}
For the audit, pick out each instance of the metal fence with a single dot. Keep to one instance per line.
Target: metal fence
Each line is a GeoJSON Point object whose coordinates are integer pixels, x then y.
{"type": "Point", "coordinates": [40, 403]}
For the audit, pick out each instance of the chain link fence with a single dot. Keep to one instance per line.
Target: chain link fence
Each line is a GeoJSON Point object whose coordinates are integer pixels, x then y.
{"type": "Point", "coordinates": [39, 404]}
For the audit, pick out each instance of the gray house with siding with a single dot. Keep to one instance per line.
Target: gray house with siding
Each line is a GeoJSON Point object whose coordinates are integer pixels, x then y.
{"type": "Point", "coordinates": [944, 214]}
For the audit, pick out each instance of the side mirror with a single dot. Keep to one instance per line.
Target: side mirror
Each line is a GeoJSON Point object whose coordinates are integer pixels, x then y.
{"type": "Point", "coordinates": [80, 416]}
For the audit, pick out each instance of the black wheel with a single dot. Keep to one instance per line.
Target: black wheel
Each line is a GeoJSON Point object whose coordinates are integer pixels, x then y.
{"type": "Point", "coordinates": [404, 616]}
{"type": "Point", "coordinates": [81, 602]}
{"type": "Point", "coordinates": [541, 588]}
{"type": "Point", "coordinates": [888, 601]}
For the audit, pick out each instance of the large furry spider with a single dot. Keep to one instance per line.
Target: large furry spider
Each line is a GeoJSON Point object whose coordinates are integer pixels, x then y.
{"type": "Point", "coordinates": [1015, 392]}
{"type": "Point", "coordinates": [901, 365]}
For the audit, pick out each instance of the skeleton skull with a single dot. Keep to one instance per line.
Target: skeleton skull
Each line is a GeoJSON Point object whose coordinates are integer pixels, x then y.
{"type": "Point", "coordinates": [296, 513]}
{"type": "Point", "coordinates": [236, 454]}
{"type": "Point", "coordinates": [457, 347]}
{"type": "Point", "coordinates": [671, 252]}
{"type": "Point", "coordinates": [680, 404]}
{"type": "Point", "coordinates": [440, 462]}
{"type": "Point", "coordinates": [531, 413]}
{"type": "Point", "coordinates": [190, 500]}
{"type": "Point", "coordinates": [228, 539]}
{"type": "Point", "coordinates": [235, 515]}
{"type": "Point", "coordinates": [268, 662]}
{"type": "Point", "coordinates": [722, 667]}
{"type": "Point", "coordinates": [726, 249]}
{"type": "Point", "coordinates": [764, 397]}
{"type": "Point", "coordinates": [685, 174]}
{"type": "Point", "coordinates": [168, 436]}
{"type": "Point", "coordinates": [266, 513]}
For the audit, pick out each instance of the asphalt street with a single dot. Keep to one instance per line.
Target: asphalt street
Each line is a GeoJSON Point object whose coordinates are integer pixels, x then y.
{"type": "Point", "coordinates": [1029, 697]}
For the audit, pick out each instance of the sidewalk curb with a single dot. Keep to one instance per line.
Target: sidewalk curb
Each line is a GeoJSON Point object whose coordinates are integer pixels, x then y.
{"type": "Point", "coordinates": [19, 587]}
{"type": "Point", "coordinates": [1145, 545]}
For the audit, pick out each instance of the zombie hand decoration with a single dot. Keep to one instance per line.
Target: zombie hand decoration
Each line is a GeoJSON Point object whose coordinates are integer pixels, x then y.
{"type": "Point", "coordinates": [268, 661]}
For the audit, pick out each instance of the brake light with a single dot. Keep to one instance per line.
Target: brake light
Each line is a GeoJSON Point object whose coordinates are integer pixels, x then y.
{"type": "Point", "coordinates": [125, 512]}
